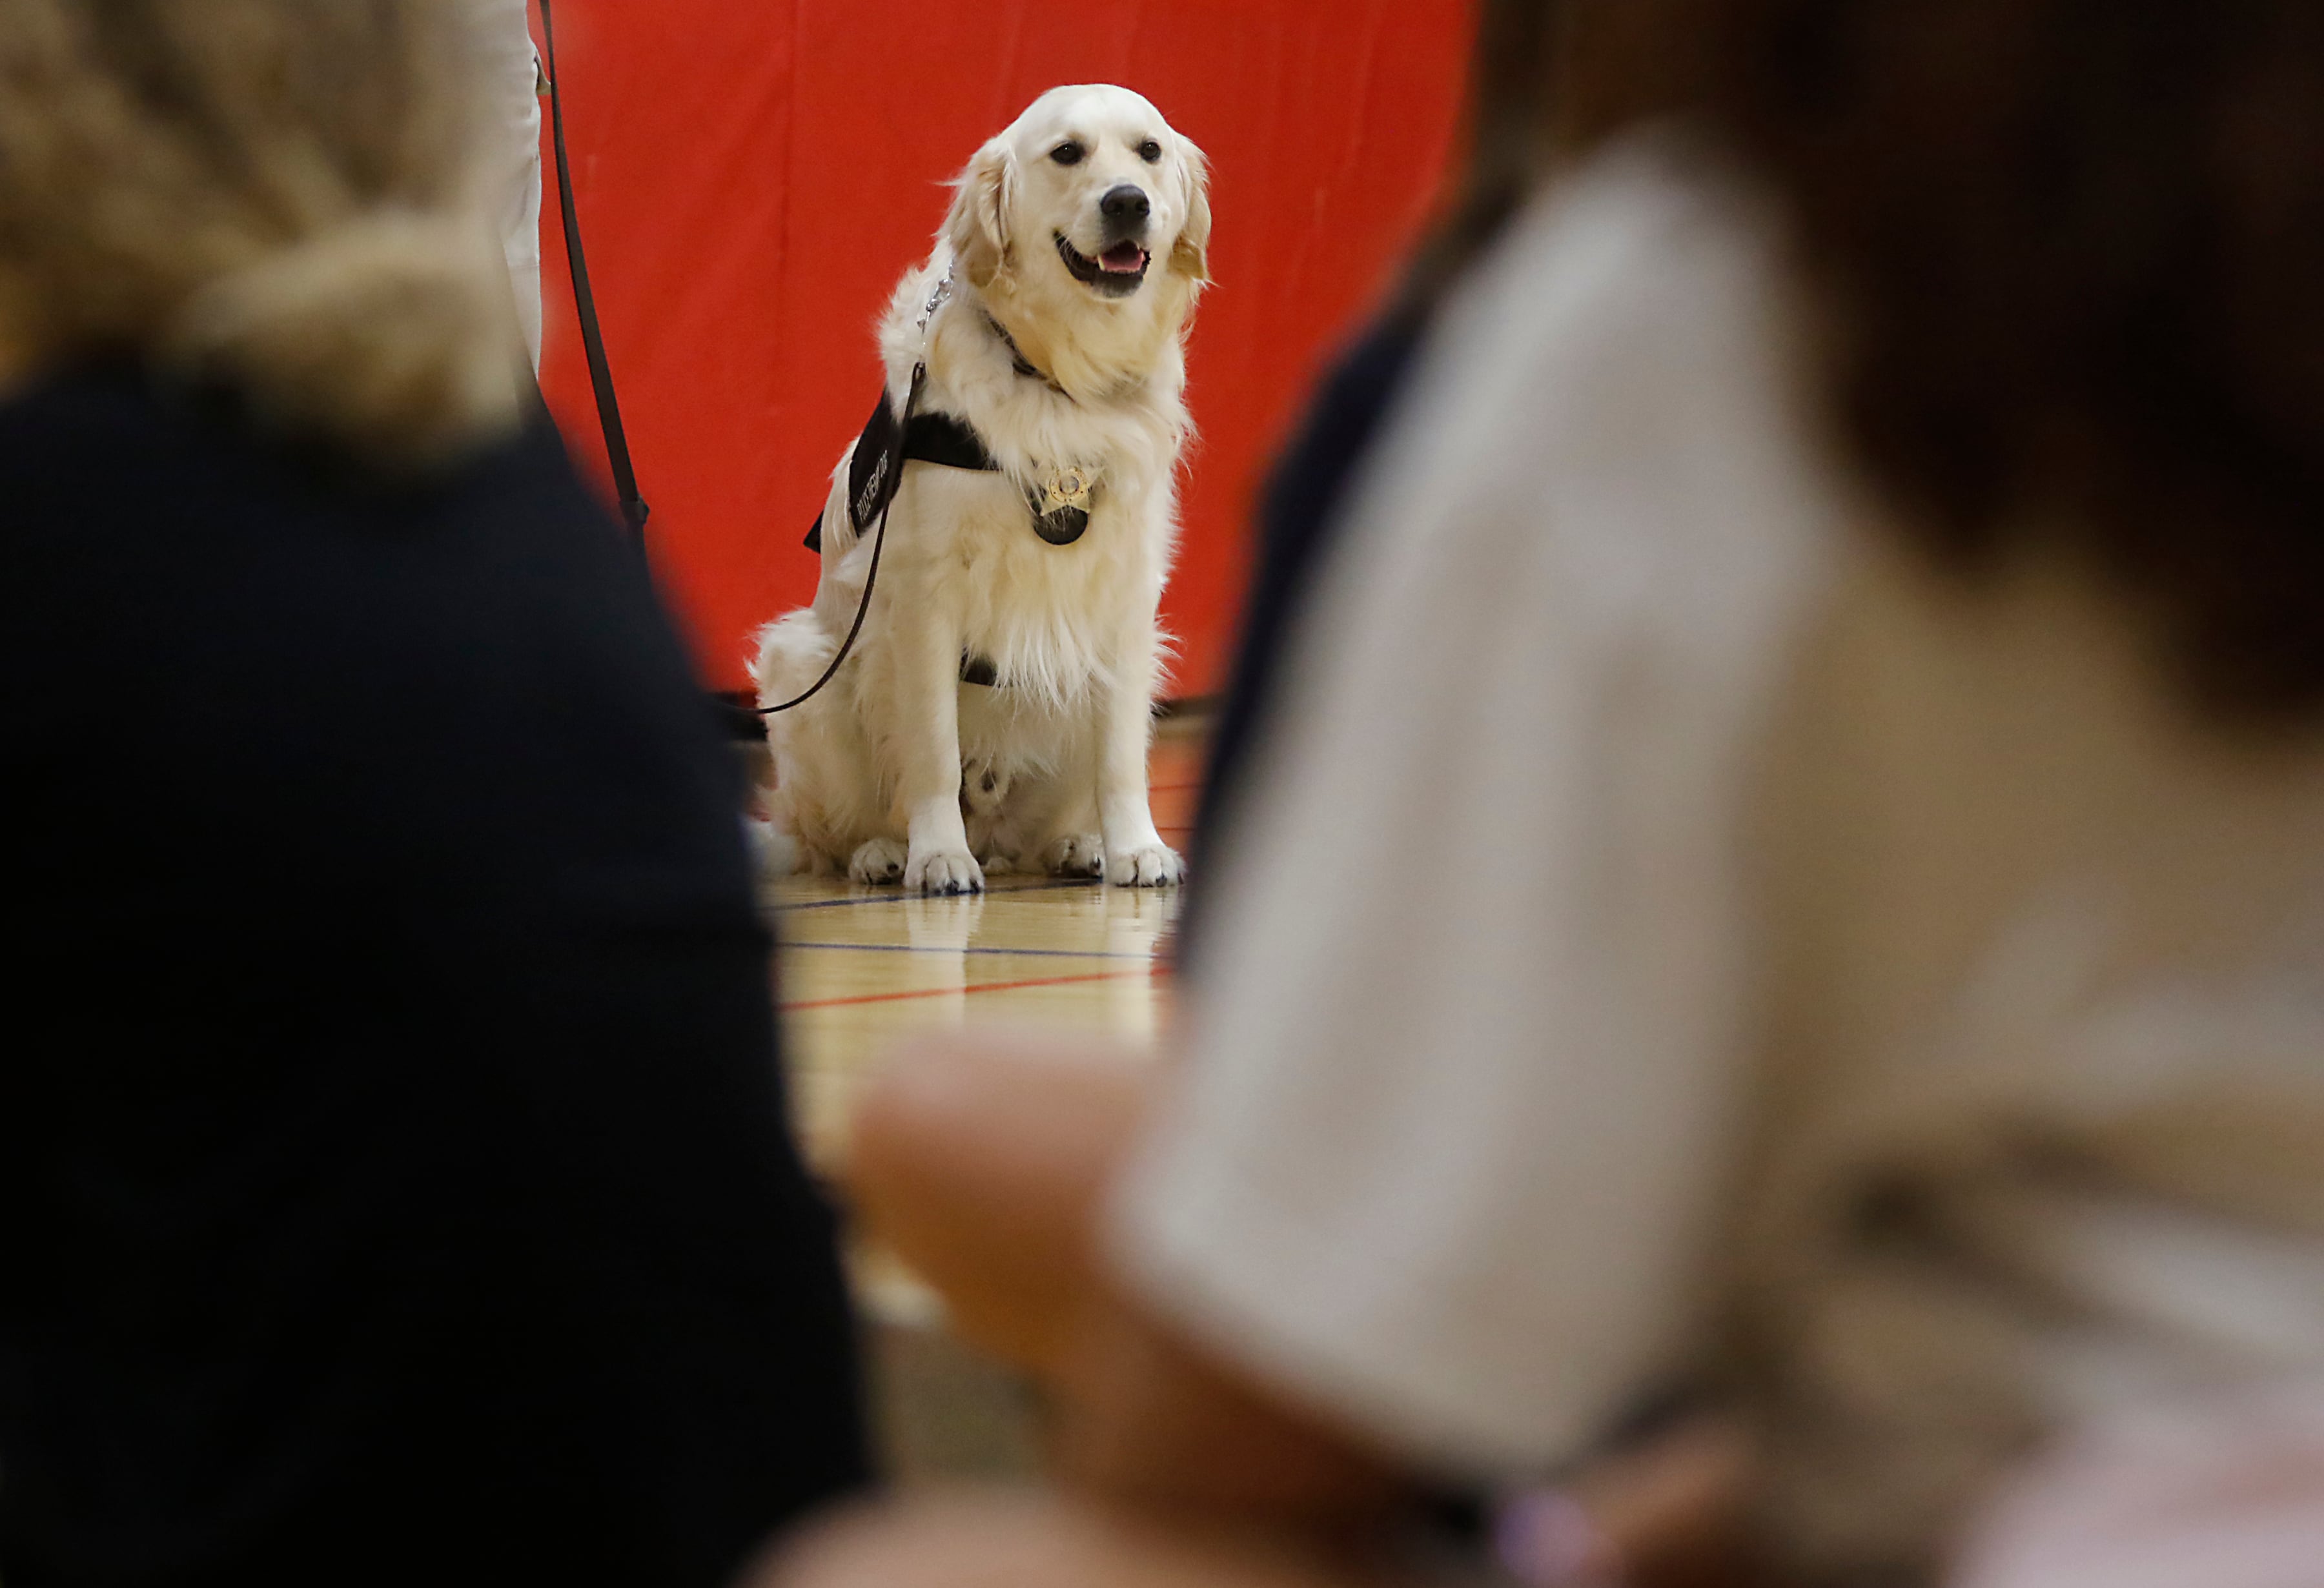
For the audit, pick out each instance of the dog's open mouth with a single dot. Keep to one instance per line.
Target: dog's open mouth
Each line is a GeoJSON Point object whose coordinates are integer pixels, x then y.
{"type": "Point", "coordinates": [1116, 273]}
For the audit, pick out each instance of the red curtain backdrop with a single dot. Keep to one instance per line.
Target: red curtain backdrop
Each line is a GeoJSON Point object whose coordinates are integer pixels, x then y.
{"type": "Point", "coordinates": [753, 175]}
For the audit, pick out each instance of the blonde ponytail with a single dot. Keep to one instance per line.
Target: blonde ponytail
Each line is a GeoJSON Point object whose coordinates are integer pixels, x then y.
{"type": "Point", "coordinates": [393, 336]}
{"type": "Point", "coordinates": [271, 195]}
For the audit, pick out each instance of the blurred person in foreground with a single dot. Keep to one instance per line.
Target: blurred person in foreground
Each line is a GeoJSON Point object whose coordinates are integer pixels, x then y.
{"type": "Point", "coordinates": [1818, 685]}
{"type": "Point", "coordinates": [396, 1182]}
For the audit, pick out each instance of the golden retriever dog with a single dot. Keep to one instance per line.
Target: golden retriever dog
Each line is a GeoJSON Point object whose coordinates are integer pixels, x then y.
{"type": "Point", "coordinates": [995, 711]}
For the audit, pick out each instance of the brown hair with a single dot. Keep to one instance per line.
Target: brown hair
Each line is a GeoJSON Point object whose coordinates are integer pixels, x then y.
{"type": "Point", "coordinates": [1547, 79]}
{"type": "Point", "coordinates": [2075, 246]}
{"type": "Point", "coordinates": [1510, 134]}
{"type": "Point", "coordinates": [2072, 250]}
{"type": "Point", "coordinates": [267, 195]}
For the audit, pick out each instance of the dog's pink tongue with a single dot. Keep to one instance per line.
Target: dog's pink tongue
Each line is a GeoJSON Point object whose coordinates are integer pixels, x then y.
{"type": "Point", "coordinates": [1123, 258]}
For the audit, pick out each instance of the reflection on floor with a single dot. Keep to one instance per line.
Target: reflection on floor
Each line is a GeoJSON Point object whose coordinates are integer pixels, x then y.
{"type": "Point", "coordinates": [859, 967]}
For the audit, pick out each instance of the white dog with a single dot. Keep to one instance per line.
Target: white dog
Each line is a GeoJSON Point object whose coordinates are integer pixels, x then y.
{"type": "Point", "coordinates": [996, 708]}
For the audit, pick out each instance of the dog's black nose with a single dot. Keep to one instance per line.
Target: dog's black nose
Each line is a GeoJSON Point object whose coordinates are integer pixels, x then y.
{"type": "Point", "coordinates": [1125, 205]}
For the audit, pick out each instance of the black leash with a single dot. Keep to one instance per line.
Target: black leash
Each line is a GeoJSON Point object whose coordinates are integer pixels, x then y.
{"type": "Point", "coordinates": [593, 337]}
{"type": "Point", "coordinates": [886, 475]}
{"type": "Point", "coordinates": [875, 473]}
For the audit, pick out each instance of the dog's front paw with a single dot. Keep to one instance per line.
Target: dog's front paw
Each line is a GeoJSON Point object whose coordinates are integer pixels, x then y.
{"type": "Point", "coordinates": [876, 861]}
{"type": "Point", "coordinates": [1154, 866]}
{"type": "Point", "coordinates": [1077, 854]}
{"type": "Point", "coordinates": [947, 871]}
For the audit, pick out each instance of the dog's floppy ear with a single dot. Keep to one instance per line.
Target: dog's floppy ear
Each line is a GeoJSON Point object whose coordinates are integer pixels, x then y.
{"type": "Point", "coordinates": [978, 226]}
{"type": "Point", "coordinates": [1190, 256]}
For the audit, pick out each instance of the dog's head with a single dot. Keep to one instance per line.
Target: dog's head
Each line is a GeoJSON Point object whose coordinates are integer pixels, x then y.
{"type": "Point", "coordinates": [1089, 211]}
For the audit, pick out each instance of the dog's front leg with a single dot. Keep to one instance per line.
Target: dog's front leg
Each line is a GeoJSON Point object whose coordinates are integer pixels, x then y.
{"type": "Point", "coordinates": [927, 781]}
{"type": "Point", "coordinates": [1135, 854]}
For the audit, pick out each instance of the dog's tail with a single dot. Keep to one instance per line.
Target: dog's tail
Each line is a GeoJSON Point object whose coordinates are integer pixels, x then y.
{"type": "Point", "coordinates": [793, 651]}
{"type": "Point", "coordinates": [774, 851]}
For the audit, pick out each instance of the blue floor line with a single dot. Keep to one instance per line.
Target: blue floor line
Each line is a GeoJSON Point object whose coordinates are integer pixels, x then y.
{"type": "Point", "coordinates": [1008, 953]}
{"type": "Point", "coordinates": [898, 896]}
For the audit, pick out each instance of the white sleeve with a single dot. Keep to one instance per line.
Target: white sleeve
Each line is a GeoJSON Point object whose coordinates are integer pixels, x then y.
{"type": "Point", "coordinates": [500, 39]}
{"type": "Point", "coordinates": [1466, 1022]}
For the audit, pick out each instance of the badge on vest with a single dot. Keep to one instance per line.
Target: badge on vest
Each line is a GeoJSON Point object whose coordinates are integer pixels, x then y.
{"type": "Point", "coordinates": [1061, 508]}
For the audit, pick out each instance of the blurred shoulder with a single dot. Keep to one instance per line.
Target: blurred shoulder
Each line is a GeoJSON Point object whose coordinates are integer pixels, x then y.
{"type": "Point", "coordinates": [1611, 403]}
{"type": "Point", "coordinates": [108, 442]}
{"type": "Point", "coordinates": [1649, 270]}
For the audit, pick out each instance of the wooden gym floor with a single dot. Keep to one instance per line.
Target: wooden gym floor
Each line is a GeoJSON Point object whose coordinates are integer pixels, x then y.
{"type": "Point", "coordinates": [858, 968]}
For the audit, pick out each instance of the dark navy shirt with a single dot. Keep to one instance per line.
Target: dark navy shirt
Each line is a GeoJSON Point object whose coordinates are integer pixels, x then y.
{"type": "Point", "coordinates": [395, 1183]}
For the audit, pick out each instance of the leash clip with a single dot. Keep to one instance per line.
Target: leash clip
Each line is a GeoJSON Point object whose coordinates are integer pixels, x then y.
{"type": "Point", "coordinates": [936, 300]}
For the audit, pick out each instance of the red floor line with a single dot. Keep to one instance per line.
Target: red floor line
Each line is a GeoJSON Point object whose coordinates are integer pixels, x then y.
{"type": "Point", "coordinates": [974, 987]}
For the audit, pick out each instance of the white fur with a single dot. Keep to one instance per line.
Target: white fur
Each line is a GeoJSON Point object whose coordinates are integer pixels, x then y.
{"type": "Point", "coordinates": [897, 750]}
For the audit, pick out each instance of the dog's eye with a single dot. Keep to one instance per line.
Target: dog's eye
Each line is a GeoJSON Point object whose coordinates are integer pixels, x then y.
{"type": "Point", "coordinates": [1068, 153]}
{"type": "Point", "coordinates": [1150, 152]}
